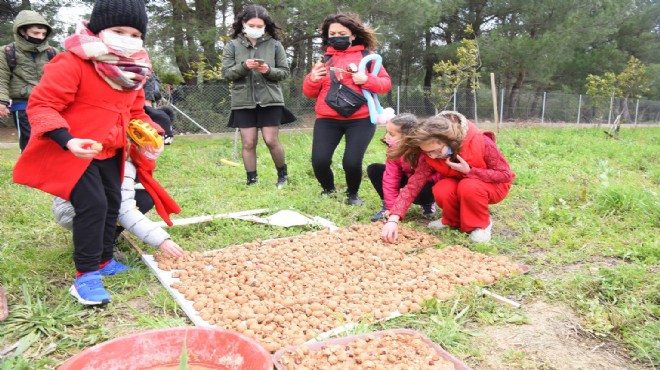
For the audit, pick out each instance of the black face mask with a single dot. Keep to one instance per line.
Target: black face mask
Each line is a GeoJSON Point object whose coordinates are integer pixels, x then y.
{"type": "Point", "coordinates": [34, 40]}
{"type": "Point", "coordinates": [339, 42]}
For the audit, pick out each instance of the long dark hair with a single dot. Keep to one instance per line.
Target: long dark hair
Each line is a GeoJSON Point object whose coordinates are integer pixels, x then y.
{"type": "Point", "coordinates": [444, 128]}
{"type": "Point", "coordinates": [255, 11]}
{"type": "Point", "coordinates": [363, 35]}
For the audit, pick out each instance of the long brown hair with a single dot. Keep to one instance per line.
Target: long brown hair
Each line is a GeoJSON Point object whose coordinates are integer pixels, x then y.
{"type": "Point", "coordinates": [256, 11]}
{"type": "Point", "coordinates": [445, 128]}
{"type": "Point", "coordinates": [363, 35]}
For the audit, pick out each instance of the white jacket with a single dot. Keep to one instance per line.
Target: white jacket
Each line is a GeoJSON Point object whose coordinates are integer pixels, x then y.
{"type": "Point", "coordinates": [130, 217]}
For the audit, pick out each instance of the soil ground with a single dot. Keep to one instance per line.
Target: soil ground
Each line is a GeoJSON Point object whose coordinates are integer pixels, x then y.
{"type": "Point", "coordinates": [552, 340]}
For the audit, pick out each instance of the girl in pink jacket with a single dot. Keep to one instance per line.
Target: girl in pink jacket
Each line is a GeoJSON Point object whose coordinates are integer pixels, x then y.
{"type": "Point", "coordinates": [389, 178]}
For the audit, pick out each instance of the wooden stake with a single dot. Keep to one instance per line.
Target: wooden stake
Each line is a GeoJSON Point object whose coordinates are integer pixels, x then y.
{"type": "Point", "coordinates": [494, 90]}
{"type": "Point", "coordinates": [132, 243]}
{"type": "Point", "coordinates": [499, 298]}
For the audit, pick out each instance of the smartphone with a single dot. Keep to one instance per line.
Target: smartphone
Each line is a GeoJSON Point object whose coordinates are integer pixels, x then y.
{"type": "Point", "coordinates": [260, 61]}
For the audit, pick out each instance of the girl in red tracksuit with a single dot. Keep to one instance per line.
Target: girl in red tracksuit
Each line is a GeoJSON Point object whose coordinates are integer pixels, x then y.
{"type": "Point", "coordinates": [475, 174]}
{"type": "Point", "coordinates": [389, 178]}
{"type": "Point", "coordinates": [345, 41]}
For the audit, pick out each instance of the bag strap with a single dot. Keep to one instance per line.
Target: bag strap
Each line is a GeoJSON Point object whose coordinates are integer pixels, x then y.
{"type": "Point", "coordinates": [365, 52]}
{"type": "Point", "coordinates": [51, 52]}
{"type": "Point", "coordinates": [10, 54]}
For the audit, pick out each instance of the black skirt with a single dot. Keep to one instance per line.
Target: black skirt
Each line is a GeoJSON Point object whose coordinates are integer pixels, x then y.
{"type": "Point", "coordinates": [260, 117]}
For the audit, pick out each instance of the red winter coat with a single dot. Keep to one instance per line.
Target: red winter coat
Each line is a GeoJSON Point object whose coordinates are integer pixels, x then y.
{"type": "Point", "coordinates": [379, 84]}
{"type": "Point", "coordinates": [72, 95]}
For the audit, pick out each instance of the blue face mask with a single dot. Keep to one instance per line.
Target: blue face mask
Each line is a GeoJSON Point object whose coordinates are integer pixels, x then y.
{"type": "Point", "coordinates": [446, 154]}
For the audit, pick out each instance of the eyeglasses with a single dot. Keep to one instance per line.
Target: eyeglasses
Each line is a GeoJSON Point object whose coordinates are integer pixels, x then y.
{"type": "Point", "coordinates": [435, 152]}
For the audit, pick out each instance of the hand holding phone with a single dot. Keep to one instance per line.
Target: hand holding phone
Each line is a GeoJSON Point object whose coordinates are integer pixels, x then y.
{"type": "Point", "coordinates": [259, 61]}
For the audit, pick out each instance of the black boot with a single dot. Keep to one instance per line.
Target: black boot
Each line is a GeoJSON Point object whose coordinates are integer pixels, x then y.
{"type": "Point", "coordinates": [251, 178]}
{"type": "Point", "coordinates": [354, 200]}
{"type": "Point", "coordinates": [282, 177]}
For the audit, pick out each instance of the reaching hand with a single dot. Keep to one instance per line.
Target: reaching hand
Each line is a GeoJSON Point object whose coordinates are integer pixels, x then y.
{"type": "Point", "coordinates": [390, 232]}
{"type": "Point", "coordinates": [171, 248]}
{"type": "Point", "coordinates": [462, 166]}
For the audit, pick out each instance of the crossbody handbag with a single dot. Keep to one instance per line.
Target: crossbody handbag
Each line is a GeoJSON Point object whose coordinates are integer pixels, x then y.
{"type": "Point", "coordinates": [342, 98]}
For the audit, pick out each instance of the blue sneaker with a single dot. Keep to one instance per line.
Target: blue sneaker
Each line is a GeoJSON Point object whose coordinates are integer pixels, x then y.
{"type": "Point", "coordinates": [88, 289]}
{"type": "Point", "coordinates": [113, 268]}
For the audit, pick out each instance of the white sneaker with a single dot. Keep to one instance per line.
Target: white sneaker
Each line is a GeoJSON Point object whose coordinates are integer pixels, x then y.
{"type": "Point", "coordinates": [437, 225]}
{"type": "Point", "coordinates": [481, 235]}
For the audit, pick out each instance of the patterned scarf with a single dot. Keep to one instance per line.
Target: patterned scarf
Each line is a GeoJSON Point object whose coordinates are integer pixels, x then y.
{"type": "Point", "coordinates": [125, 73]}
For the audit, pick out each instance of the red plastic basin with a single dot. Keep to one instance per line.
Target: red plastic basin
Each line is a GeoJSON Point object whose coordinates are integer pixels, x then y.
{"type": "Point", "coordinates": [207, 348]}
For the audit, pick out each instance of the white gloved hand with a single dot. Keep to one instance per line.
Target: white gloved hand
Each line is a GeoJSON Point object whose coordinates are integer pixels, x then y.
{"type": "Point", "coordinates": [151, 153]}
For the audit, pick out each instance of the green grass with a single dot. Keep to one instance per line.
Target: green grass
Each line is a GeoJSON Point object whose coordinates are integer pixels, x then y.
{"type": "Point", "coordinates": [584, 213]}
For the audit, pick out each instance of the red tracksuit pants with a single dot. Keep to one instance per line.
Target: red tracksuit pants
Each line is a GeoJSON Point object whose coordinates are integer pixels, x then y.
{"type": "Point", "coordinates": [464, 202]}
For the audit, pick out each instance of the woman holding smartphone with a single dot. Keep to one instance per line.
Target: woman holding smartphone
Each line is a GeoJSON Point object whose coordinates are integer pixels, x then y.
{"type": "Point", "coordinates": [255, 61]}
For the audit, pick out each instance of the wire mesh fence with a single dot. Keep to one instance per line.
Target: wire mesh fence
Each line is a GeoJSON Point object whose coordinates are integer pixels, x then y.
{"type": "Point", "coordinates": [206, 108]}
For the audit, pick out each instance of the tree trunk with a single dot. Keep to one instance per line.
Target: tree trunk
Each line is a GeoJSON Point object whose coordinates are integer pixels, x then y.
{"type": "Point", "coordinates": [429, 107]}
{"type": "Point", "coordinates": [180, 17]}
{"type": "Point", "coordinates": [515, 94]}
{"type": "Point", "coordinates": [206, 29]}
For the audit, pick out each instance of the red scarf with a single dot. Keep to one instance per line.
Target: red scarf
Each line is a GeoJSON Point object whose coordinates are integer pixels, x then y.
{"type": "Point", "coordinates": [165, 205]}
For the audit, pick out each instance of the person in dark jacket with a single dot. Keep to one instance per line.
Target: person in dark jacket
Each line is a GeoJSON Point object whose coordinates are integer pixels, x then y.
{"type": "Point", "coordinates": [21, 67]}
{"type": "Point", "coordinates": [255, 61]}
{"type": "Point", "coordinates": [344, 39]}
{"type": "Point", "coordinates": [164, 115]}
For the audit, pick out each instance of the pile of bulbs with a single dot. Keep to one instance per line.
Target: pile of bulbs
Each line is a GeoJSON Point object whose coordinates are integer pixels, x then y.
{"type": "Point", "coordinates": [391, 351]}
{"type": "Point", "coordinates": [287, 291]}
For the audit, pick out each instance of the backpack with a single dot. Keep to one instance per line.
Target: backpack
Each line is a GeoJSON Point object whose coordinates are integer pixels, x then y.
{"type": "Point", "coordinates": [10, 54]}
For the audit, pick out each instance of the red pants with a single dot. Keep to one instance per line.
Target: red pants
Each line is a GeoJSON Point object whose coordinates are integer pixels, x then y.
{"type": "Point", "coordinates": [464, 202]}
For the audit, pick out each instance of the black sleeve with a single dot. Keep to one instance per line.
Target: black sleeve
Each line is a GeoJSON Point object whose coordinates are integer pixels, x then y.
{"type": "Point", "coordinates": [61, 136]}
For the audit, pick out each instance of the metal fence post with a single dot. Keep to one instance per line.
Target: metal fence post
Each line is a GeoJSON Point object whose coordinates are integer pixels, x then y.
{"type": "Point", "coordinates": [476, 117]}
{"type": "Point", "coordinates": [609, 116]}
{"type": "Point", "coordinates": [398, 98]}
{"type": "Point", "coordinates": [502, 105]}
{"type": "Point", "coordinates": [636, 111]}
{"type": "Point", "coordinates": [455, 99]}
{"type": "Point", "coordinates": [543, 109]}
{"type": "Point", "coordinates": [579, 109]}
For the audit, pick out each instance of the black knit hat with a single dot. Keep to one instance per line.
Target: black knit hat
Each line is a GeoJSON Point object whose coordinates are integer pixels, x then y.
{"type": "Point", "coordinates": [116, 13]}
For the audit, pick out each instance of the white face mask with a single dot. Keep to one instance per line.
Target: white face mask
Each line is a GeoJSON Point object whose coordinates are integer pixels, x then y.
{"type": "Point", "coordinates": [124, 44]}
{"type": "Point", "coordinates": [254, 33]}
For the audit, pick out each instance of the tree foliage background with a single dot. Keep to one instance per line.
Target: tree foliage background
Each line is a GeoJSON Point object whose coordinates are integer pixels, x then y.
{"type": "Point", "coordinates": [532, 45]}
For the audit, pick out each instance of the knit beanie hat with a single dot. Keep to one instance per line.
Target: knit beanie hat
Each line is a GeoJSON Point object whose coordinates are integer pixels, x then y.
{"type": "Point", "coordinates": [116, 13]}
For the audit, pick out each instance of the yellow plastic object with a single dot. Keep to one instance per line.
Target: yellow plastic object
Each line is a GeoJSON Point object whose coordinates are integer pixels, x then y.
{"type": "Point", "coordinates": [143, 134]}
{"type": "Point", "coordinates": [229, 163]}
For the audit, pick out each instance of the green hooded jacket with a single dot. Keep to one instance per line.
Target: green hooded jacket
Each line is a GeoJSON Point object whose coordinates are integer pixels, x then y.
{"type": "Point", "coordinates": [30, 60]}
{"type": "Point", "coordinates": [250, 87]}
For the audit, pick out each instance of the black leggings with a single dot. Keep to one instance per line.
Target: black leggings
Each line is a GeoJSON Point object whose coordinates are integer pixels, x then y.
{"type": "Point", "coordinates": [375, 171]}
{"type": "Point", "coordinates": [327, 135]}
{"type": "Point", "coordinates": [96, 198]}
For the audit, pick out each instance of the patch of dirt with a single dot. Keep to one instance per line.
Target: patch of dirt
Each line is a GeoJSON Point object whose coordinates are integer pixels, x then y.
{"type": "Point", "coordinates": [552, 340]}
{"type": "Point", "coordinates": [8, 135]}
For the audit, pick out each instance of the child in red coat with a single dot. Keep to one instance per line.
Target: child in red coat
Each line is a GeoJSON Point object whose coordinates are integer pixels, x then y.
{"type": "Point", "coordinates": [389, 178]}
{"type": "Point", "coordinates": [79, 115]}
{"type": "Point", "coordinates": [475, 174]}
